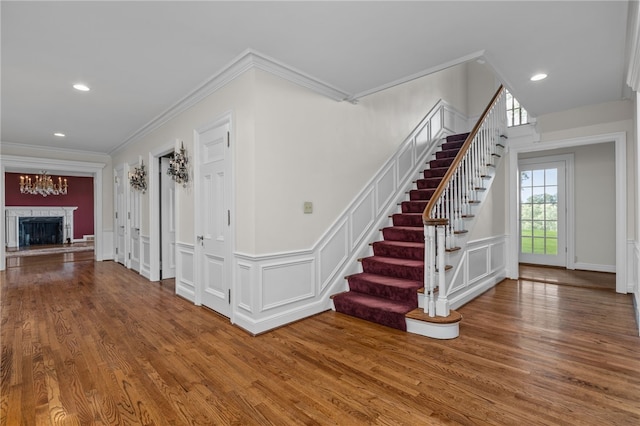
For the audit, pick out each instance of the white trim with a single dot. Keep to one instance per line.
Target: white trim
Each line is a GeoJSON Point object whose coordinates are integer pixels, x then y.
{"type": "Point", "coordinates": [247, 60]}
{"type": "Point", "coordinates": [47, 150]}
{"type": "Point", "coordinates": [633, 46]}
{"type": "Point", "coordinates": [582, 266]}
{"type": "Point", "coordinates": [620, 140]}
{"type": "Point", "coordinates": [83, 168]}
{"type": "Point", "coordinates": [17, 212]}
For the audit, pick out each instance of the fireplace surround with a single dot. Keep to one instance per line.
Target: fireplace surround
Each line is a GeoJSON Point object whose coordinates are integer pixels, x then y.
{"type": "Point", "coordinates": [14, 214]}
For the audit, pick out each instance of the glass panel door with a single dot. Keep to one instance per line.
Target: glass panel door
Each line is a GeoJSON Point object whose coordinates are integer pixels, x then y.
{"type": "Point", "coordinates": [542, 213]}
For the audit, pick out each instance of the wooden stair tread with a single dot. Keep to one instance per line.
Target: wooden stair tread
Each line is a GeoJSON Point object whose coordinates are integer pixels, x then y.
{"type": "Point", "coordinates": [419, 315]}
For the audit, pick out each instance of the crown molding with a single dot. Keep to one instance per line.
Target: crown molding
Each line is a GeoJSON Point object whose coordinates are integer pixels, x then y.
{"type": "Point", "coordinates": [44, 149]}
{"type": "Point", "coordinates": [472, 56]}
{"type": "Point", "coordinates": [22, 164]}
{"type": "Point", "coordinates": [633, 47]}
{"type": "Point", "coordinates": [247, 60]}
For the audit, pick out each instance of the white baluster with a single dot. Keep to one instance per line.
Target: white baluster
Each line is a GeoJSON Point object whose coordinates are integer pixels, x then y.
{"type": "Point", "coordinates": [429, 270]}
{"type": "Point", "coordinates": [442, 305]}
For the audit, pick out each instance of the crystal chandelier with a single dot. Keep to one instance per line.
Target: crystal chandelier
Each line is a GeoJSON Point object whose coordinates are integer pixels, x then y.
{"type": "Point", "coordinates": [138, 178]}
{"type": "Point", "coordinates": [178, 166]}
{"type": "Point", "coordinates": [42, 184]}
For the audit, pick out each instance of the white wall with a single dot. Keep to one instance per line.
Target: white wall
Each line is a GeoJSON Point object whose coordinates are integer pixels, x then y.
{"type": "Point", "coordinates": [310, 148]}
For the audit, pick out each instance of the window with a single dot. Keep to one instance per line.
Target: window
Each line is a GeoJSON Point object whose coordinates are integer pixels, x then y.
{"type": "Point", "coordinates": [516, 115]}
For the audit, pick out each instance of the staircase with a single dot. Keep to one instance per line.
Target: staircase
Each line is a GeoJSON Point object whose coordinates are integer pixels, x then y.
{"type": "Point", "coordinates": [430, 229]}
{"type": "Point", "coordinates": [387, 289]}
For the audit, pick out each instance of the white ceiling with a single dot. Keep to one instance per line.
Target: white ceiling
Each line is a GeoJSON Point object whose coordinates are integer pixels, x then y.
{"type": "Point", "coordinates": [141, 57]}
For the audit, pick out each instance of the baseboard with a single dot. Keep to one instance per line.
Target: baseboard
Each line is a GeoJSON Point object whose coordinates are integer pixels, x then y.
{"type": "Point", "coordinates": [594, 267]}
{"type": "Point", "coordinates": [464, 297]}
{"type": "Point", "coordinates": [272, 322]}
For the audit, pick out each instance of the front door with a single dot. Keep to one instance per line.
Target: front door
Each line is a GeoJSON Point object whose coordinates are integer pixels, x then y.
{"type": "Point", "coordinates": [543, 212]}
{"type": "Point", "coordinates": [214, 218]}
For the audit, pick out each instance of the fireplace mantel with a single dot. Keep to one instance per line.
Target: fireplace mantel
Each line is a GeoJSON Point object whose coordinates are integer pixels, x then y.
{"type": "Point", "coordinates": [13, 213]}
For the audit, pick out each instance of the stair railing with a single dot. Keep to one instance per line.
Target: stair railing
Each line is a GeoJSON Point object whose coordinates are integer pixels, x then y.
{"type": "Point", "coordinates": [453, 200]}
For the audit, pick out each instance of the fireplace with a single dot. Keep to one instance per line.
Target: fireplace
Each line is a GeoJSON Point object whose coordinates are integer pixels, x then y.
{"type": "Point", "coordinates": [43, 225]}
{"type": "Point", "coordinates": [40, 230]}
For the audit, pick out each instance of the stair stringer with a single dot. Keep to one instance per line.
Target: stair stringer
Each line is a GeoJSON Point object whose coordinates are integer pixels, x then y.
{"type": "Point", "coordinates": [461, 288]}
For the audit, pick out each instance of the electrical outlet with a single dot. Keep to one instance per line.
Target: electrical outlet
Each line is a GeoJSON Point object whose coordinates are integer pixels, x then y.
{"type": "Point", "coordinates": [308, 207]}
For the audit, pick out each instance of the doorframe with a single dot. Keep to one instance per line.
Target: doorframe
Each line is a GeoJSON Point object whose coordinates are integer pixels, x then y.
{"type": "Point", "coordinates": [154, 213]}
{"type": "Point", "coordinates": [620, 141]}
{"type": "Point", "coordinates": [129, 192]}
{"type": "Point", "coordinates": [225, 118]}
{"type": "Point", "coordinates": [124, 167]}
{"type": "Point", "coordinates": [569, 191]}
{"type": "Point", "coordinates": [20, 164]}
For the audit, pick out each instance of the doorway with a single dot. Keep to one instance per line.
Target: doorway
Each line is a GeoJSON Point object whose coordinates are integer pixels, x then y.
{"type": "Point", "coordinates": [543, 210]}
{"type": "Point", "coordinates": [166, 211]}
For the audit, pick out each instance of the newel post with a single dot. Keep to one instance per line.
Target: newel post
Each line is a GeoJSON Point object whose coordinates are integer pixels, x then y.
{"type": "Point", "coordinates": [434, 252]}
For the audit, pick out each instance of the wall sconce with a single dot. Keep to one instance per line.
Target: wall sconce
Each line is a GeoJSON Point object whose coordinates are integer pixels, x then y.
{"type": "Point", "coordinates": [178, 166]}
{"type": "Point", "coordinates": [138, 178]}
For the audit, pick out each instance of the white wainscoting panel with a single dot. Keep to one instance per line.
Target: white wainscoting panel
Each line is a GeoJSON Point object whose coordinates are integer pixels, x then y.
{"type": "Point", "coordinates": [107, 246]}
{"type": "Point", "coordinates": [285, 283]}
{"type": "Point", "coordinates": [243, 289]}
{"type": "Point", "coordinates": [405, 162]}
{"type": "Point", "coordinates": [362, 217]}
{"type": "Point", "coordinates": [478, 263]}
{"type": "Point", "coordinates": [332, 254]}
{"type": "Point", "coordinates": [499, 256]}
{"type": "Point", "coordinates": [145, 258]}
{"type": "Point", "coordinates": [185, 270]}
{"type": "Point", "coordinates": [478, 270]}
{"type": "Point", "coordinates": [385, 187]}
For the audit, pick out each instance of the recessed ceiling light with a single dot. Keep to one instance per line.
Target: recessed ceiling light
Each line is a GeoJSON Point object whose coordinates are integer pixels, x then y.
{"type": "Point", "coordinates": [81, 87]}
{"type": "Point", "coordinates": [539, 77]}
{"type": "Point", "coordinates": [60, 135]}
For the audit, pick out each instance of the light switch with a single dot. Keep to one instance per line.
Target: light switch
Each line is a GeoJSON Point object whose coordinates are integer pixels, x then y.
{"type": "Point", "coordinates": [308, 207]}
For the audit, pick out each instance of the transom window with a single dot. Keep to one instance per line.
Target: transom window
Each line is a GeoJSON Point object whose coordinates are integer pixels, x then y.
{"type": "Point", "coordinates": [516, 115]}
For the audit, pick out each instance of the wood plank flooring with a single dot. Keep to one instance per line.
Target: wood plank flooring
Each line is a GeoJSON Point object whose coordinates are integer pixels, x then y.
{"type": "Point", "coordinates": [92, 343]}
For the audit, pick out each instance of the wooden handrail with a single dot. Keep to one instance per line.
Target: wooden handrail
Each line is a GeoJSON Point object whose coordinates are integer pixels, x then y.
{"type": "Point", "coordinates": [426, 214]}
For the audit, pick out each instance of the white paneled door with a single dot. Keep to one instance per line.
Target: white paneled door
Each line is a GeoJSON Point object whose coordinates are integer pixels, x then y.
{"type": "Point", "coordinates": [120, 215]}
{"type": "Point", "coordinates": [134, 229]}
{"type": "Point", "coordinates": [213, 218]}
{"type": "Point", "coordinates": [167, 222]}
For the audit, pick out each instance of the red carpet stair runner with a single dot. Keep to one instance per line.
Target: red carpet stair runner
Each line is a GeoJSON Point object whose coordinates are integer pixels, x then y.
{"type": "Point", "coordinates": [387, 289]}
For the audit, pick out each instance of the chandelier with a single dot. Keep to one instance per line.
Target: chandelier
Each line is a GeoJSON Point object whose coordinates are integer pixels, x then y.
{"type": "Point", "coordinates": [178, 166]}
{"type": "Point", "coordinates": [138, 178]}
{"type": "Point", "coordinates": [42, 184]}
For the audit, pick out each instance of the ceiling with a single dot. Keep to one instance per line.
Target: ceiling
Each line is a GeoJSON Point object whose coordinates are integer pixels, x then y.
{"type": "Point", "coordinates": [140, 58]}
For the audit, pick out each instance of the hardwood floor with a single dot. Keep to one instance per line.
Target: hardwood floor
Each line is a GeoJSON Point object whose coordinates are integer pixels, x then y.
{"type": "Point", "coordinates": [93, 343]}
